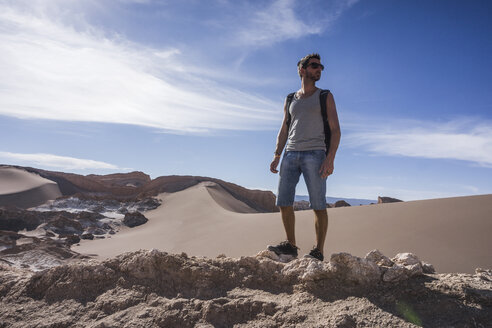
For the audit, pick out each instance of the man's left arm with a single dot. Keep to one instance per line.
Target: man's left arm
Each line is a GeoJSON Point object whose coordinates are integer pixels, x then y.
{"type": "Point", "coordinates": [328, 165]}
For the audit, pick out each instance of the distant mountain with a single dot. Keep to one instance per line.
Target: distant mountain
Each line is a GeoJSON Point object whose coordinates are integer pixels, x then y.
{"type": "Point", "coordinates": [332, 200]}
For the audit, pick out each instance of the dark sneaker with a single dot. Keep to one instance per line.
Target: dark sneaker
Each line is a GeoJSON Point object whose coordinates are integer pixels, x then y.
{"type": "Point", "coordinates": [315, 253]}
{"type": "Point", "coordinates": [285, 248]}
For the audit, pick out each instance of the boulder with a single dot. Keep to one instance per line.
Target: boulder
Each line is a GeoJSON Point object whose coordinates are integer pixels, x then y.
{"type": "Point", "coordinates": [354, 269]}
{"type": "Point", "coordinates": [377, 257]}
{"type": "Point", "coordinates": [341, 203]}
{"type": "Point", "coordinates": [395, 273]}
{"type": "Point", "coordinates": [406, 266]}
{"type": "Point", "coordinates": [87, 235]}
{"type": "Point", "coordinates": [134, 219]}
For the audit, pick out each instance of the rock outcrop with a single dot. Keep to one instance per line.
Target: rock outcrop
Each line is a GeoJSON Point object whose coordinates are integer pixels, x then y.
{"type": "Point", "coordinates": [16, 219]}
{"type": "Point", "coordinates": [157, 289]}
{"type": "Point", "coordinates": [341, 203]}
{"type": "Point", "coordinates": [58, 222]}
{"type": "Point", "coordinates": [382, 200]}
{"type": "Point", "coordinates": [36, 252]}
{"type": "Point", "coordinates": [138, 185]}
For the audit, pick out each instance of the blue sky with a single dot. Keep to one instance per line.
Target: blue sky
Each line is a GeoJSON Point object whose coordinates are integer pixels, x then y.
{"type": "Point", "coordinates": [197, 87]}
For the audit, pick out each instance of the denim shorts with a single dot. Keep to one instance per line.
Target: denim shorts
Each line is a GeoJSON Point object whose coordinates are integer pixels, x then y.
{"type": "Point", "coordinates": [308, 163]}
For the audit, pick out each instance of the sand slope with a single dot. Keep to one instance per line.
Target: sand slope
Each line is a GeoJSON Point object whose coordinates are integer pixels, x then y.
{"type": "Point", "coordinates": [23, 189]}
{"type": "Point", "coordinates": [453, 233]}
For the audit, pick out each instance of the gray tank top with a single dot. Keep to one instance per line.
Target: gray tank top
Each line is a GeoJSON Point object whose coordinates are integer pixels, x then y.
{"type": "Point", "coordinates": [306, 130]}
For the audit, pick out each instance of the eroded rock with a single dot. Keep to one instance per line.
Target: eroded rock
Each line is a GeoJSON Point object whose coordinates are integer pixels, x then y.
{"type": "Point", "coordinates": [153, 288]}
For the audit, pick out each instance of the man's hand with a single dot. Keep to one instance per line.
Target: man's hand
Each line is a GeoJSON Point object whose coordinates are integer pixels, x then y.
{"type": "Point", "coordinates": [274, 164]}
{"type": "Point", "coordinates": [326, 168]}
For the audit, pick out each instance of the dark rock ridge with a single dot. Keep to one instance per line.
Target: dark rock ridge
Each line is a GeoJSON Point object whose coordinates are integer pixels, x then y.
{"type": "Point", "coordinates": [59, 222]}
{"type": "Point", "coordinates": [382, 200]}
{"type": "Point", "coordinates": [99, 205]}
{"type": "Point", "coordinates": [138, 185]}
{"type": "Point", "coordinates": [156, 289]}
{"type": "Point", "coordinates": [36, 253]}
{"type": "Point", "coordinates": [72, 216]}
{"type": "Point", "coordinates": [341, 203]}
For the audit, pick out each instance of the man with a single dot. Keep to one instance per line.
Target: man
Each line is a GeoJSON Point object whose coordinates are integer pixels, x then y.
{"type": "Point", "coordinates": [307, 151]}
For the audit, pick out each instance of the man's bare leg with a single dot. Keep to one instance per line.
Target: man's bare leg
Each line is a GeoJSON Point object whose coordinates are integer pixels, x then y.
{"type": "Point", "coordinates": [289, 220]}
{"type": "Point", "coordinates": [321, 225]}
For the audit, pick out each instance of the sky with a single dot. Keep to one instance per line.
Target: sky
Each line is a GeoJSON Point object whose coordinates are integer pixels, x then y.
{"type": "Point", "coordinates": [195, 87]}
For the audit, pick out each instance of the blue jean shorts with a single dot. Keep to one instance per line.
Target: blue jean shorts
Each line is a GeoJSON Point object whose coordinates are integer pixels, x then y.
{"type": "Point", "coordinates": [308, 163]}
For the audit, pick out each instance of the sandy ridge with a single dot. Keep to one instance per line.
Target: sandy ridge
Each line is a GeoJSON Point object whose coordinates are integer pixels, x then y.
{"type": "Point", "coordinates": [451, 233]}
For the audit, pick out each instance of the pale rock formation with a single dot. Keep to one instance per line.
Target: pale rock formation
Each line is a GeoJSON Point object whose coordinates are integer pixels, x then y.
{"type": "Point", "coordinates": [406, 265]}
{"type": "Point", "coordinates": [157, 289]}
{"type": "Point", "coordinates": [354, 269]}
{"type": "Point", "coordinates": [351, 269]}
{"type": "Point", "coordinates": [377, 257]}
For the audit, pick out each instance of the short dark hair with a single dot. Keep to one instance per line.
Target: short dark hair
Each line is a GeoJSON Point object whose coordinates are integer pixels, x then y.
{"type": "Point", "coordinates": [305, 60]}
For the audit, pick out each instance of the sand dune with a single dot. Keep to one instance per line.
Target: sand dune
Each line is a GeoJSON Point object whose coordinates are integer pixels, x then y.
{"type": "Point", "coordinates": [24, 189]}
{"type": "Point", "coordinates": [453, 233]}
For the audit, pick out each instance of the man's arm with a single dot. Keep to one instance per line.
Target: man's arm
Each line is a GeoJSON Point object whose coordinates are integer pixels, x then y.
{"type": "Point", "coordinates": [328, 165]}
{"type": "Point", "coordinates": [281, 141]}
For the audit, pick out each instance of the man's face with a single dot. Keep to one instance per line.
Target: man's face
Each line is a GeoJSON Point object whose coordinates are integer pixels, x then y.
{"type": "Point", "coordinates": [312, 73]}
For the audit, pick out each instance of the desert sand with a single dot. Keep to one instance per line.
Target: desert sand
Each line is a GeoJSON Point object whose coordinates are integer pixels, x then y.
{"type": "Point", "coordinates": [140, 276]}
{"type": "Point", "coordinates": [24, 189]}
{"type": "Point", "coordinates": [452, 233]}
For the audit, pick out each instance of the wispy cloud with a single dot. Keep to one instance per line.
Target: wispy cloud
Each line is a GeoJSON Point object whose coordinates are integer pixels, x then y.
{"type": "Point", "coordinates": [276, 23]}
{"type": "Point", "coordinates": [281, 20]}
{"type": "Point", "coordinates": [54, 71]}
{"type": "Point", "coordinates": [54, 161]}
{"type": "Point", "coordinates": [461, 139]}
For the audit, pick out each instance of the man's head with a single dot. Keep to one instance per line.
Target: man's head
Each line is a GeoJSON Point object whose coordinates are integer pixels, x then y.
{"type": "Point", "coordinates": [310, 66]}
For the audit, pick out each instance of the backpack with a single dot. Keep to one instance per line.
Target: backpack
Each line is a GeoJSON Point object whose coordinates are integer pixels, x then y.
{"type": "Point", "coordinates": [322, 101]}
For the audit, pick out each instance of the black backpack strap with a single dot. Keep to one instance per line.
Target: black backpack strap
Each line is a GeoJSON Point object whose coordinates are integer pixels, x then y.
{"type": "Point", "coordinates": [288, 101]}
{"type": "Point", "coordinates": [323, 95]}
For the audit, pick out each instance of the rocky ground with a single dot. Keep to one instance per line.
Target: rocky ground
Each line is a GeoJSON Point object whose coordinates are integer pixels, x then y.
{"type": "Point", "coordinates": [156, 289]}
{"type": "Point", "coordinates": [41, 237]}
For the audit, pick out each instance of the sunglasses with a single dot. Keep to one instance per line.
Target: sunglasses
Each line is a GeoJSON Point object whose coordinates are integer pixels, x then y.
{"type": "Point", "coordinates": [316, 65]}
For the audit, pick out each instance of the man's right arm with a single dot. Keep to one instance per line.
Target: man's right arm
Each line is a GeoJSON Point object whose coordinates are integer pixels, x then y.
{"type": "Point", "coordinates": [281, 141]}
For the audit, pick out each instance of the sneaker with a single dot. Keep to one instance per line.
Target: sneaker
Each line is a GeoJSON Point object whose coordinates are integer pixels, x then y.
{"type": "Point", "coordinates": [315, 253]}
{"type": "Point", "coordinates": [285, 248]}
